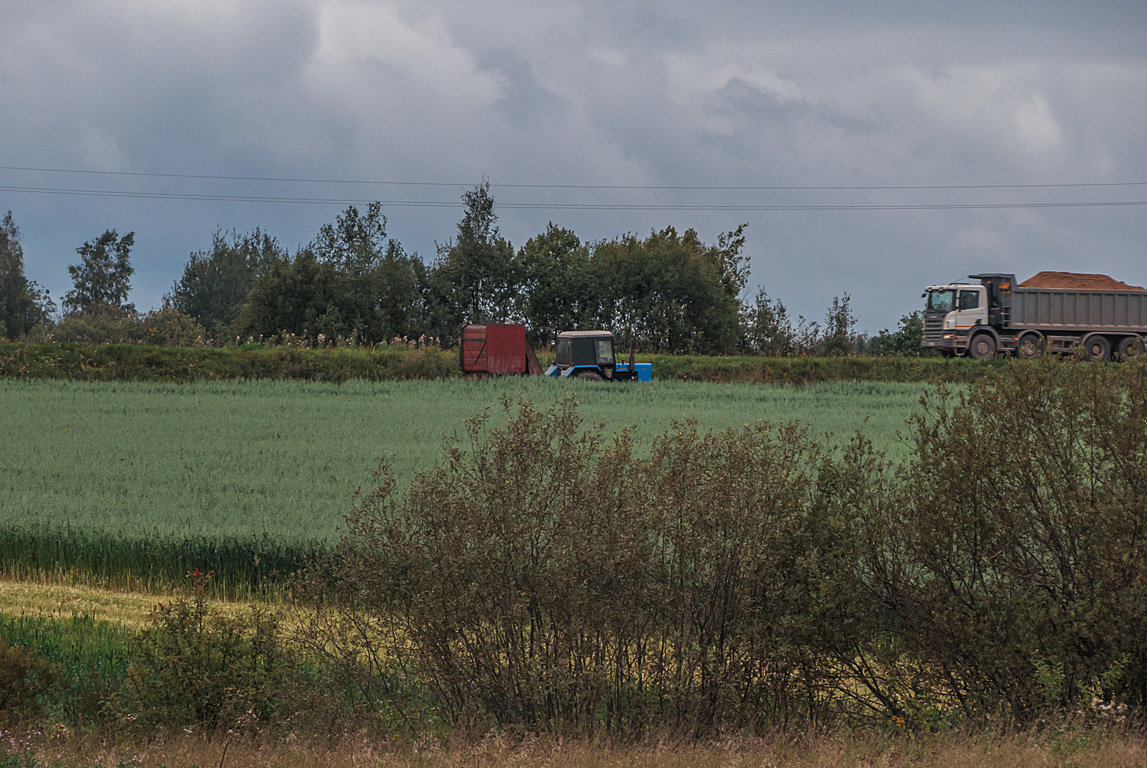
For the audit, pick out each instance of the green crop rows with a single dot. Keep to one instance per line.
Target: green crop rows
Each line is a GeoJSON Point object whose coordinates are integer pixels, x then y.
{"type": "Point", "coordinates": [145, 481]}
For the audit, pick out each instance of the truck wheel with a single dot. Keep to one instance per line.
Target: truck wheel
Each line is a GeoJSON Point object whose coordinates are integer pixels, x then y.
{"type": "Point", "coordinates": [1130, 348]}
{"type": "Point", "coordinates": [1030, 347]}
{"type": "Point", "coordinates": [1096, 348]}
{"type": "Point", "coordinates": [589, 376]}
{"type": "Point", "coordinates": [983, 347]}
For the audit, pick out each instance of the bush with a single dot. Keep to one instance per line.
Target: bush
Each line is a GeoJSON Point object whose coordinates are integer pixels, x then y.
{"type": "Point", "coordinates": [85, 659]}
{"type": "Point", "coordinates": [161, 327]}
{"type": "Point", "coordinates": [170, 327]}
{"type": "Point", "coordinates": [133, 362]}
{"type": "Point", "coordinates": [195, 667]}
{"type": "Point", "coordinates": [24, 679]}
{"type": "Point", "coordinates": [1015, 556]}
{"type": "Point", "coordinates": [543, 579]}
{"type": "Point", "coordinates": [109, 327]}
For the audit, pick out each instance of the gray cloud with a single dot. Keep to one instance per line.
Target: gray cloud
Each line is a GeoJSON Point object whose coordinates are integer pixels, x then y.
{"type": "Point", "coordinates": [594, 92]}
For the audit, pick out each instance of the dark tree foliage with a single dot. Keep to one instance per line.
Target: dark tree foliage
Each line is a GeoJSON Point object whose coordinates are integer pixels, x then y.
{"type": "Point", "coordinates": [24, 305]}
{"type": "Point", "coordinates": [557, 290]}
{"type": "Point", "coordinates": [669, 292]}
{"type": "Point", "coordinates": [727, 257]}
{"type": "Point", "coordinates": [295, 295]}
{"type": "Point", "coordinates": [102, 280]}
{"type": "Point", "coordinates": [768, 330]}
{"type": "Point", "coordinates": [350, 282]}
{"type": "Point", "coordinates": [355, 243]}
{"type": "Point", "coordinates": [839, 334]}
{"type": "Point", "coordinates": [380, 282]}
{"type": "Point", "coordinates": [216, 283]}
{"type": "Point", "coordinates": [905, 340]}
{"type": "Point", "coordinates": [477, 268]}
{"type": "Point", "coordinates": [13, 284]}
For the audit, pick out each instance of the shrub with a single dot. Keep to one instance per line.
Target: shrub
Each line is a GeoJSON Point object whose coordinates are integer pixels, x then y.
{"type": "Point", "coordinates": [1015, 557]}
{"type": "Point", "coordinates": [24, 679]}
{"type": "Point", "coordinates": [161, 327]}
{"type": "Point", "coordinates": [170, 327]}
{"type": "Point", "coordinates": [109, 327]}
{"type": "Point", "coordinates": [541, 578]}
{"type": "Point", "coordinates": [194, 667]}
{"type": "Point", "coordinates": [85, 659]}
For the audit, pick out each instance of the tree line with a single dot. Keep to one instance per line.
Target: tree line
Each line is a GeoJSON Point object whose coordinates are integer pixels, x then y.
{"type": "Point", "coordinates": [353, 284]}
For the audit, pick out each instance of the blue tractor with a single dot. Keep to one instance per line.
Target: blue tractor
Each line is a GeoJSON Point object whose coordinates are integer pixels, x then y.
{"type": "Point", "coordinates": [589, 355]}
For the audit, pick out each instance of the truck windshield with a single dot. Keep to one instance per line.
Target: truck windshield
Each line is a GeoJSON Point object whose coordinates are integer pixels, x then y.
{"type": "Point", "coordinates": [941, 301]}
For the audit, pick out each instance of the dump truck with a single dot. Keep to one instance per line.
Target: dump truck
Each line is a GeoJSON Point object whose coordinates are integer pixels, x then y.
{"type": "Point", "coordinates": [1053, 311]}
{"type": "Point", "coordinates": [496, 350]}
{"type": "Point", "coordinates": [590, 355]}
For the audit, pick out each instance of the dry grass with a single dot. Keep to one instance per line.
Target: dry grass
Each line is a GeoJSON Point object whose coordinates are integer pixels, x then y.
{"type": "Point", "coordinates": [1078, 749]}
{"type": "Point", "coordinates": [58, 598]}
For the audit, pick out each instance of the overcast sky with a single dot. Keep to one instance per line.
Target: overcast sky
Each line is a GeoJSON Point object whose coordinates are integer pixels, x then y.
{"type": "Point", "coordinates": [872, 148]}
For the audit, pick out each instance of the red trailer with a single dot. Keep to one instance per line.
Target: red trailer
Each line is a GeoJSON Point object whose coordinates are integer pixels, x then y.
{"type": "Point", "coordinates": [496, 350]}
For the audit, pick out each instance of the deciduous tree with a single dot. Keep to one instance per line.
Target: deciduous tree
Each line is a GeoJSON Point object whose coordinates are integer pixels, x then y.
{"type": "Point", "coordinates": [216, 283]}
{"type": "Point", "coordinates": [666, 293]}
{"type": "Point", "coordinates": [768, 328]}
{"type": "Point", "coordinates": [479, 264]}
{"type": "Point", "coordinates": [839, 327]}
{"type": "Point", "coordinates": [102, 279]}
{"type": "Point", "coordinates": [23, 304]}
{"type": "Point", "coordinates": [351, 281]}
{"type": "Point", "coordinates": [556, 284]}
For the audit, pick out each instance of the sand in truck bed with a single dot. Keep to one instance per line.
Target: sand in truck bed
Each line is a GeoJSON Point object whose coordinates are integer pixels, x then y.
{"type": "Point", "coordinates": [1076, 281]}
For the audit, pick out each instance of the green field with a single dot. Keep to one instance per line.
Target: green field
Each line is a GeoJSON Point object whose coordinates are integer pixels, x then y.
{"type": "Point", "coordinates": [142, 477]}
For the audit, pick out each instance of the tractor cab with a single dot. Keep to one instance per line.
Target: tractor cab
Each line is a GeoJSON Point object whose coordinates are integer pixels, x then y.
{"type": "Point", "coordinates": [590, 355]}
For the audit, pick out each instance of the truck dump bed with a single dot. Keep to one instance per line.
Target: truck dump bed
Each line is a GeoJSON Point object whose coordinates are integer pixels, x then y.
{"type": "Point", "coordinates": [1077, 310]}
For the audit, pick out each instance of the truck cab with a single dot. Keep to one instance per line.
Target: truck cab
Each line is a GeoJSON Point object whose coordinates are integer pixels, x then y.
{"type": "Point", "coordinates": [590, 355]}
{"type": "Point", "coordinates": [951, 312]}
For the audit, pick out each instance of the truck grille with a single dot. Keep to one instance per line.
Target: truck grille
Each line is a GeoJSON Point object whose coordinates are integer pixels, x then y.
{"type": "Point", "coordinates": [933, 326]}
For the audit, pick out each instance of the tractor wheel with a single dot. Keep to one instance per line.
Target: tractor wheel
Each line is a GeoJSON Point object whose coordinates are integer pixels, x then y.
{"type": "Point", "coordinates": [589, 376]}
{"type": "Point", "coordinates": [983, 347]}
{"type": "Point", "coordinates": [1130, 348]}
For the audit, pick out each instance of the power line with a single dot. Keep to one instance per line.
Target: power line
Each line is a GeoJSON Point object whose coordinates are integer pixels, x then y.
{"type": "Point", "coordinates": [565, 206]}
{"type": "Point", "coordinates": [696, 187]}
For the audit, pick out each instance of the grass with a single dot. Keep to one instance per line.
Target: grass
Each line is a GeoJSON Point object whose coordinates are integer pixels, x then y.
{"type": "Point", "coordinates": [1073, 749]}
{"type": "Point", "coordinates": [49, 600]}
{"type": "Point", "coordinates": [137, 483]}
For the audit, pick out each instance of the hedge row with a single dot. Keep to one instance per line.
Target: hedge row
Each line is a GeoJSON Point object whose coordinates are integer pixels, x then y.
{"type": "Point", "coordinates": [119, 362]}
{"type": "Point", "coordinates": [809, 370]}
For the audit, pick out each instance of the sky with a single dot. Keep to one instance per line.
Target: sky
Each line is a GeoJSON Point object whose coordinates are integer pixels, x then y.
{"type": "Point", "coordinates": [872, 148]}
